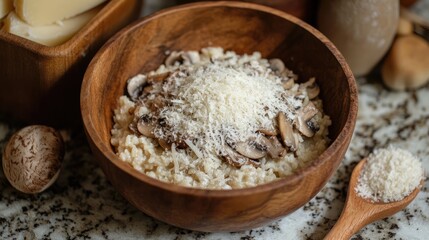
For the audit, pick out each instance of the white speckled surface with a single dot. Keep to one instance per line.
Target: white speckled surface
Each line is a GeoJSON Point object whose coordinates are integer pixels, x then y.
{"type": "Point", "coordinates": [83, 205]}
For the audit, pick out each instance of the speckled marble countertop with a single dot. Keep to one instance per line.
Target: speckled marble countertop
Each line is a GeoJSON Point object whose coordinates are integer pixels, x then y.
{"type": "Point", "coordinates": [83, 205]}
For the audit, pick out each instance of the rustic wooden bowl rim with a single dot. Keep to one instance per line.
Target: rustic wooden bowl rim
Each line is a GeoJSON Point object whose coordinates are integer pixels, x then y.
{"type": "Point", "coordinates": [215, 193]}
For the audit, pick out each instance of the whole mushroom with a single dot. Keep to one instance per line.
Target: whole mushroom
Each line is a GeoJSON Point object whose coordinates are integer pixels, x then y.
{"type": "Point", "coordinates": [32, 158]}
{"type": "Point", "coordinates": [407, 64]}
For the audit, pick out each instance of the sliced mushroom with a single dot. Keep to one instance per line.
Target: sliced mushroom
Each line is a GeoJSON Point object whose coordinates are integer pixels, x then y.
{"type": "Point", "coordinates": [277, 65]}
{"type": "Point", "coordinates": [304, 128]}
{"type": "Point", "coordinates": [251, 149]}
{"type": "Point", "coordinates": [268, 132]}
{"type": "Point", "coordinates": [237, 160]}
{"type": "Point", "coordinates": [173, 57]}
{"type": "Point", "coordinates": [135, 86]}
{"type": "Point", "coordinates": [308, 112]}
{"type": "Point", "coordinates": [311, 87]}
{"type": "Point", "coordinates": [288, 83]}
{"type": "Point", "coordinates": [303, 118]}
{"type": "Point", "coordinates": [164, 144]}
{"type": "Point", "coordinates": [274, 147]}
{"type": "Point", "coordinates": [145, 126]}
{"type": "Point", "coordinates": [286, 132]}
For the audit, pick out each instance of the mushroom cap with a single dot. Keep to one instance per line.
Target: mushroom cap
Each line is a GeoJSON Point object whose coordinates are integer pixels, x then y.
{"type": "Point", "coordinates": [407, 64]}
{"type": "Point", "coordinates": [32, 158]}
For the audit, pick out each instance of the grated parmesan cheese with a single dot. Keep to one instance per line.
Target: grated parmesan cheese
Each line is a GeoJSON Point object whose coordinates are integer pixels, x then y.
{"type": "Point", "coordinates": [218, 99]}
{"type": "Point", "coordinates": [389, 175]}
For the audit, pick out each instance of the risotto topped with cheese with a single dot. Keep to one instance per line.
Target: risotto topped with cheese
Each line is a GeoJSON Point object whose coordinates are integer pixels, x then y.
{"type": "Point", "coordinates": [218, 120]}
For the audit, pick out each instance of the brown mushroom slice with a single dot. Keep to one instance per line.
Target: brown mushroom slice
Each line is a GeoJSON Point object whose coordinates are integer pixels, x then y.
{"type": "Point", "coordinates": [251, 149]}
{"type": "Point", "coordinates": [135, 86]}
{"type": "Point", "coordinates": [145, 126]}
{"type": "Point", "coordinates": [164, 144]}
{"type": "Point", "coordinates": [275, 149]}
{"type": "Point", "coordinates": [303, 118]}
{"type": "Point", "coordinates": [288, 83]}
{"type": "Point", "coordinates": [308, 112]}
{"type": "Point", "coordinates": [268, 132]}
{"type": "Point", "coordinates": [277, 65]}
{"type": "Point", "coordinates": [303, 128]}
{"type": "Point", "coordinates": [173, 57]}
{"type": "Point", "coordinates": [286, 132]}
{"type": "Point", "coordinates": [313, 89]}
{"type": "Point", "coordinates": [235, 159]}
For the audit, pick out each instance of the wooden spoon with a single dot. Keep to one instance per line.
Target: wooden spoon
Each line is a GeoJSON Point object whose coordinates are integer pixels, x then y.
{"type": "Point", "coordinates": [358, 212]}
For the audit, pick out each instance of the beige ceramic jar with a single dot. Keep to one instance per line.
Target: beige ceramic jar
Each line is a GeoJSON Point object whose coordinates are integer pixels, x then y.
{"type": "Point", "coordinates": [363, 30]}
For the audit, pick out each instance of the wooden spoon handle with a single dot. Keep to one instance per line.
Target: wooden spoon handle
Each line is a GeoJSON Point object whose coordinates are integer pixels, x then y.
{"type": "Point", "coordinates": [347, 225]}
{"type": "Point", "coordinates": [355, 215]}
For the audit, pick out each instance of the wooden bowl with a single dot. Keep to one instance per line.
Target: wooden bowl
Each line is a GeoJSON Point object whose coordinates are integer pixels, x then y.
{"type": "Point", "coordinates": [41, 84]}
{"type": "Point", "coordinates": [245, 28]}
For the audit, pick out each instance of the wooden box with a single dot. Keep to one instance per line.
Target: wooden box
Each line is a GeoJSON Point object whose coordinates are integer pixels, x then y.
{"type": "Point", "coordinates": [40, 84]}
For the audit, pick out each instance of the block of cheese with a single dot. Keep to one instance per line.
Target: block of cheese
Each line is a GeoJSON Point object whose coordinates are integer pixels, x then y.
{"type": "Point", "coordinates": [5, 7]}
{"type": "Point", "coordinates": [49, 35]}
{"type": "Point", "coordinates": [43, 12]}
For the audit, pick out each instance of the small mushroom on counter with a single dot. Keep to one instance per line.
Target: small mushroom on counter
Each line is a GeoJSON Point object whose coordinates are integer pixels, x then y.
{"type": "Point", "coordinates": [135, 86]}
{"type": "Point", "coordinates": [286, 132]}
{"type": "Point", "coordinates": [32, 158]}
{"type": "Point", "coordinates": [407, 64]}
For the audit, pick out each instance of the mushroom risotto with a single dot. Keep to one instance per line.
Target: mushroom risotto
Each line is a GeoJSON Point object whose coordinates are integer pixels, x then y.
{"type": "Point", "coordinates": [215, 119]}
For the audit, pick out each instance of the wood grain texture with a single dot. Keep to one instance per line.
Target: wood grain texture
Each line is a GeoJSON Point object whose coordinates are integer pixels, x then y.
{"type": "Point", "coordinates": [303, 9]}
{"type": "Point", "coordinates": [359, 212]}
{"type": "Point", "coordinates": [244, 28]}
{"type": "Point", "coordinates": [41, 84]}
